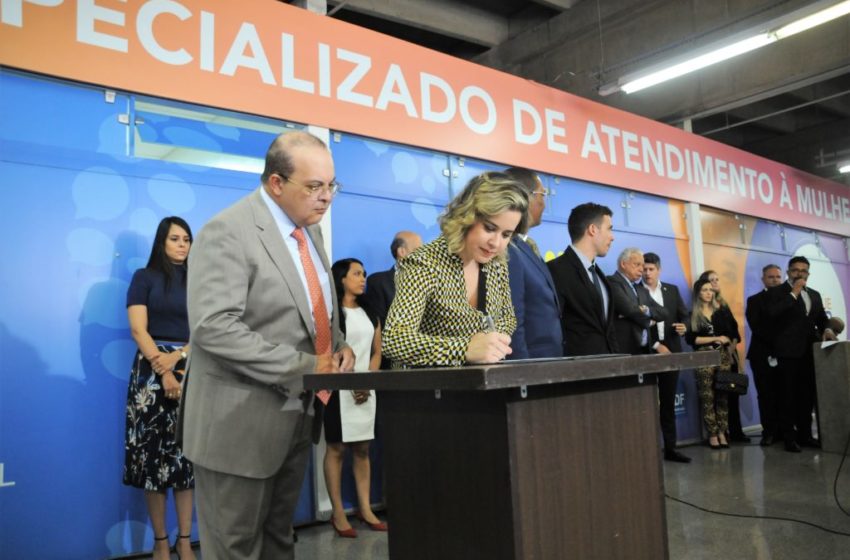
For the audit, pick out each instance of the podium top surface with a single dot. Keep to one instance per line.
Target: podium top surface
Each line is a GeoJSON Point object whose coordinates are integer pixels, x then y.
{"type": "Point", "coordinates": [509, 374]}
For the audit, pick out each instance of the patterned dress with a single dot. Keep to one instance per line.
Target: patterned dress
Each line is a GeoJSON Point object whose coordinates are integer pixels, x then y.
{"type": "Point", "coordinates": [430, 321]}
{"type": "Point", "coordinates": [715, 404]}
{"type": "Point", "coordinates": [153, 461]}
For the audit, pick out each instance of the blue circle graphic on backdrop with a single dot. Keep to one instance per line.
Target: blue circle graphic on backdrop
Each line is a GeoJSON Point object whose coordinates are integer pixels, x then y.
{"type": "Point", "coordinates": [376, 148]}
{"type": "Point", "coordinates": [424, 212]}
{"type": "Point", "coordinates": [172, 193]}
{"type": "Point", "coordinates": [128, 536]}
{"type": "Point", "coordinates": [428, 184]}
{"type": "Point", "coordinates": [99, 193]}
{"type": "Point", "coordinates": [404, 168]}
{"type": "Point", "coordinates": [116, 357]}
{"type": "Point", "coordinates": [144, 221]}
{"type": "Point", "coordinates": [89, 246]}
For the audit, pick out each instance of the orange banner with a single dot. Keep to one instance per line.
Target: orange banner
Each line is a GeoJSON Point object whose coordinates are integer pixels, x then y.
{"type": "Point", "coordinates": [268, 58]}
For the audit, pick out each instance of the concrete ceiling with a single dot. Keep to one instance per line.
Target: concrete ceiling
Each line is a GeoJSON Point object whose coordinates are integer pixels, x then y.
{"type": "Point", "coordinates": [789, 101]}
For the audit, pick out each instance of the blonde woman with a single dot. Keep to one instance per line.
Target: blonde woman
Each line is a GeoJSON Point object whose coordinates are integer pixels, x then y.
{"type": "Point", "coordinates": [736, 432]}
{"type": "Point", "coordinates": [712, 329]}
{"type": "Point", "coordinates": [453, 300]}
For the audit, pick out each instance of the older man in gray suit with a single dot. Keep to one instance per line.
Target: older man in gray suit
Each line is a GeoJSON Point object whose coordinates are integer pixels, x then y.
{"type": "Point", "coordinates": [261, 314]}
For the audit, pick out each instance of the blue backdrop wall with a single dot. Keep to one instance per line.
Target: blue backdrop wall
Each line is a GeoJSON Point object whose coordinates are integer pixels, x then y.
{"type": "Point", "coordinates": [86, 177]}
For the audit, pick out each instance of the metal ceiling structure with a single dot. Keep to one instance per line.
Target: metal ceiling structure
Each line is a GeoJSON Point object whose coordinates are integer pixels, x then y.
{"type": "Point", "coordinates": [789, 101]}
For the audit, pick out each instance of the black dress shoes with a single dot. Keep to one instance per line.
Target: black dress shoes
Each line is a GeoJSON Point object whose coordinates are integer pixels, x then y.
{"type": "Point", "coordinates": [792, 447]}
{"type": "Point", "coordinates": [767, 440]}
{"type": "Point", "coordinates": [675, 456]}
{"type": "Point", "coordinates": [739, 438]}
{"type": "Point", "coordinates": [808, 442]}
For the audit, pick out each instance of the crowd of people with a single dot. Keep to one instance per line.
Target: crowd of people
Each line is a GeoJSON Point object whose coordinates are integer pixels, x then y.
{"type": "Point", "coordinates": [262, 306]}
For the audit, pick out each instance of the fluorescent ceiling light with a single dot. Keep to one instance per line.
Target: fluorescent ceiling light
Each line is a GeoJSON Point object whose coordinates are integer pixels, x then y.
{"type": "Point", "coordinates": [698, 62]}
{"type": "Point", "coordinates": [778, 29]}
{"type": "Point", "coordinates": [818, 18]}
{"type": "Point", "coordinates": [844, 168]}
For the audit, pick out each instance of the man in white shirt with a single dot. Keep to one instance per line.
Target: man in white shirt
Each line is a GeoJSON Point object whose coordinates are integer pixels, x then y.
{"type": "Point", "coordinates": [666, 338]}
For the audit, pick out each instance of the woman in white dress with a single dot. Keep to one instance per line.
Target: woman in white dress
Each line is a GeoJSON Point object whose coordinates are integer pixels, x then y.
{"type": "Point", "coordinates": [350, 415]}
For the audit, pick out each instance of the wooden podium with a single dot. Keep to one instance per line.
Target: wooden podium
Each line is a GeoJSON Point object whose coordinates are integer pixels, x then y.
{"type": "Point", "coordinates": [832, 375]}
{"type": "Point", "coordinates": [543, 460]}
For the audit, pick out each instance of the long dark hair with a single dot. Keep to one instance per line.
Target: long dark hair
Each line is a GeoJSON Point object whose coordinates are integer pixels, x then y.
{"type": "Point", "coordinates": [339, 270]}
{"type": "Point", "coordinates": [159, 260]}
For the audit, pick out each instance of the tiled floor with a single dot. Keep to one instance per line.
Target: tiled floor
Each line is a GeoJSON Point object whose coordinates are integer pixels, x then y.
{"type": "Point", "coordinates": [746, 480]}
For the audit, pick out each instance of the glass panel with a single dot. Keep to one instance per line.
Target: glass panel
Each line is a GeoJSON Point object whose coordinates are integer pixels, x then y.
{"type": "Point", "coordinates": [381, 169]}
{"type": "Point", "coordinates": [207, 138]}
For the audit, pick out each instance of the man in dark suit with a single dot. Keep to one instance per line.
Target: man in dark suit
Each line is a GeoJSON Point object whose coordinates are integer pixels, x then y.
{"type": "Point", "coordinates": [538, 331]}
{"type": "Point", "coordinates": [587, 316]}
{"type": "Point", "coordinates": [262, 312]}
{"type": "Point", "coordinates": [665, 338]}
{"type": "Point", "coordinates": [798, 314]}
{"type": "Point", "coordinates": [380, 286]}
{"type": "Point", "coordinates": [762, 362]}
{"type": "Point", "coordinates": [635, 312]}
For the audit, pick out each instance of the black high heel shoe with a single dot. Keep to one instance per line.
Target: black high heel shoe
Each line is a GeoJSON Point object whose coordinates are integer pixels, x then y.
{"type": "Point", "coordinates": [174, 548]}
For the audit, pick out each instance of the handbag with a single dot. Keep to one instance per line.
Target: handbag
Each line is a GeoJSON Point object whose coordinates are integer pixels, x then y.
{"type": "Point", "coordinates": [731, 382]}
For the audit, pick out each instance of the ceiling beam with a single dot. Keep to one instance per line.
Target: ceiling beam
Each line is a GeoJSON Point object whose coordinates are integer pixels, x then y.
{"type": "Point", "coordinates": [833, 96]}
{"type": "Point", "coordinates": [467, 23]}
{"type": "Point", "coordinates": [801, 149]}
{"type": "Point", "coordinates": [571, 50]}
{"type": "Point", "coordinates": [557, 4]}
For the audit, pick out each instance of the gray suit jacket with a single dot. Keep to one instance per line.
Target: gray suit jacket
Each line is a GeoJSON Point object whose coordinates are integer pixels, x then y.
{"type": "Point", "coordinates": [252, 341]}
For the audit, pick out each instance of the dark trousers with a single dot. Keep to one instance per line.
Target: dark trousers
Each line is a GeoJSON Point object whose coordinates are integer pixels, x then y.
{"type": "Point", "coordinates": [797, 389]}
{"type": "Point", "coordinates": [735, 429]}
{"type": "Point", "coordinates": [767, 388]}
{"type": "Point", "coordinates": [667, 407]}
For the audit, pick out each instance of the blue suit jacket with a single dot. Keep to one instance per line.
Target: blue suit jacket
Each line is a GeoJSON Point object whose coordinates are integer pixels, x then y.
{"type": "Point", "coordinates": [538, 331]}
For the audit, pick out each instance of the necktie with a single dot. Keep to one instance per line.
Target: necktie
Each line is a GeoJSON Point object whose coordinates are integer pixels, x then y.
{"type": "Point", "coordinates": [320, 311]}
{"type": "Point", "coordinates": [635, 286]}
{"type": "Point", "coordinates": [644, 334]}
{"type": "Point", "coordinates": [807, 300]}
{"type": "Point", "coordinates": [598, 284]}
{"type": "Point", "coordinates": [533, 245]}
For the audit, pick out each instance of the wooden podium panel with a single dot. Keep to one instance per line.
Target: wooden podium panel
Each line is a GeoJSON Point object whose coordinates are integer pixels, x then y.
{"type": "Point", "coordinates": [832, 375]}
{"type": "Point", "coordinates": [545, 460]}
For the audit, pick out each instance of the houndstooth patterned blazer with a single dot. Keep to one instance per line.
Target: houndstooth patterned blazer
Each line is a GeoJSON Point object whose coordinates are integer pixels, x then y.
{"type": "Point", "coordinates": [430, 321]}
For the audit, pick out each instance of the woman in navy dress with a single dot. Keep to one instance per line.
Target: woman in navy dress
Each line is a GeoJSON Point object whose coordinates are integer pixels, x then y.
{"type": "Point", "coordinates": [156, 307]}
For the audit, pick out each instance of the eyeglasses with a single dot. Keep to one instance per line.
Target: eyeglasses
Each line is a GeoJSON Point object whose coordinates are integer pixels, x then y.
{"type": "Point", "coordinates": [799, 270]}
{"type": "Point", "coordinates": [545, 192]}
{"type": "Point", "coordinates": [314, 190]}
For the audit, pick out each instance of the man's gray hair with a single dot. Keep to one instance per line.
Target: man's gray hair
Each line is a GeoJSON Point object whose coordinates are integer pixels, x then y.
{"type": "Point", "coordinates": [626, 254]}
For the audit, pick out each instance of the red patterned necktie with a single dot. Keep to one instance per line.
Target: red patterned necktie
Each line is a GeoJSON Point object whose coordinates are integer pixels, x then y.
{"type": "Point", "coordinates": [320, 311]}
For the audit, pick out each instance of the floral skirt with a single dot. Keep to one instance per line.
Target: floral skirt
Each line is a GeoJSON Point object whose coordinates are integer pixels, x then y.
{"type": "Point", "coordinates": [152, 459]}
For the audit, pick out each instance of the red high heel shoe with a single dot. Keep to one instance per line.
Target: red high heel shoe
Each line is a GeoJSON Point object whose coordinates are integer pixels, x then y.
{"type": "Point", "coordinates": [379, 526]}
{"type": "Point", "coordinates": [350, 533]}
